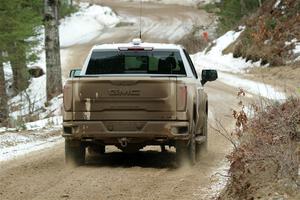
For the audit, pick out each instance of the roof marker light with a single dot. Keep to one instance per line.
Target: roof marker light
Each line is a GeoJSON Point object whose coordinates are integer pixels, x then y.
{"type": "Point", "coordinates": [136, 41]}
{"type": "Point", "coordinates": [135, 48]}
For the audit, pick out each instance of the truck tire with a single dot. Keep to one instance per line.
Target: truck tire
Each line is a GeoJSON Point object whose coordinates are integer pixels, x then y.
{"type": "Point", "coordinates": [180, 152]}
{"type": "Point", "coordinates": [186, 152]}
{"type": "Point", "coordinates": [192, 150]}
{"type": "Point", "coordinates": [74, 152]}
{"type": "Point", "coordinates": [202, 148]}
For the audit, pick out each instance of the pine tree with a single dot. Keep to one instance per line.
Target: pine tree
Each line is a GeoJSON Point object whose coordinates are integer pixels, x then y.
{"type": "Point", "coordinates": [18, 22]}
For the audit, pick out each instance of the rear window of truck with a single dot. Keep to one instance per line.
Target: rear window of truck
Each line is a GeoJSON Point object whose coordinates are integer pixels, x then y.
{"type": "Point", "coordinates": [136, 62]}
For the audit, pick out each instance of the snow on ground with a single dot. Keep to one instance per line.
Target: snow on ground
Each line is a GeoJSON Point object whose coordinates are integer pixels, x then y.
{"type": "Point", "coordinates": [86, 24]}
{"type": "Point", "coordinates": [13, 145]}
{"type": "Point", "coordinates": [277, 3]}
{"type": "Point", "coordinates": [260, 89]}
{"type": "Point", "coordinates": [294, 52]}
{"type": "Point", "coordinates": [218, 182]}
{"type": "Point", "coordinates": [48, 123]}
{"type": "Point", "coordinates": [39, 135]}
{"type": "Point", "coordinates": [80, 27]}
{"type": "Point", "coordinates": [178, 2]}
{"type": "Point", "coordinates": [297, 48]}
{"type": "Point", "coordinates": [213, 58]}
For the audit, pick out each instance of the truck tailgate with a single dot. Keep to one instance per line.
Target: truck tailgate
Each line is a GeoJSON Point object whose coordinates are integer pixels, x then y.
{"type": "Point", "coordinates": [125, 98]}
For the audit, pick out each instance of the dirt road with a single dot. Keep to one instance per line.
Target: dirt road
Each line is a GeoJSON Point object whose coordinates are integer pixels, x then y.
{"type": "Point", "coordinates": [146, 175]}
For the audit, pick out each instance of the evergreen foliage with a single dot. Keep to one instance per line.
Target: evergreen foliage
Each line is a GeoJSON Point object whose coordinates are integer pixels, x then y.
{"type": "Point", "coordinates": [232, 11]}
{"type": "Point", "coordinates": [19, 20]}
{"type": "Point", "coordinates": [65, 9]}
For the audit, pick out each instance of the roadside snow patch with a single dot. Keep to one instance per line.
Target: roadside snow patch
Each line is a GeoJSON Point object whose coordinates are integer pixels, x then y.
{"type": "Point", "coordinates": [179, 2]}
{"type": "Point", "coordinates": [297, 48]}
{"type": "Point", "coordinates": [277, 3]}
{"type": "Point", "coordinates": [254, 87]}
{"type": "Point", "coordinates": [8, 73]}
{"type": "Point", "coordinates": [85, 25]}
{"type": "Point", "coordinates": [214, 58]}
{"type": "Point", "coordinates": [52, 122]}
{"type": "Point", "coordinates": [24, 145]}
{"type": "Point", "coordinates": [218, 182]}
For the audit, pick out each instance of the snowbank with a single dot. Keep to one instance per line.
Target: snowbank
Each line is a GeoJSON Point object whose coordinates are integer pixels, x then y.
{"type": "Point", "coordinates": [80, 27]}
{"type": "Point", "coordinates": [294, 52]}
{"type": "Point", "coordinates": [48, 123]}
{"type": "Point", "coordinates": [39, 135]}
{"type": "Point", "coordinates": [13, 145]}
{"type": "Point", "coordinates": [213, 58]}
{"type": "Point", "coordinates": [178, 2]}
{"type": "Point", "coordinates": [260, 89]}
{"type": "Point", "coordinates": [86, 24]}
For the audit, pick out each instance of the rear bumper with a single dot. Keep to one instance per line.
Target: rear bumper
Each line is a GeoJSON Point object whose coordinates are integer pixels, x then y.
{"type": "Point", "coordinates": [110, 131]}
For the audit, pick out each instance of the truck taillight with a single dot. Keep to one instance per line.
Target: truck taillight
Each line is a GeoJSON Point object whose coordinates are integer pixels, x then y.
{"type": "Point", "coordinates": [181, 98]}
{"type": "Point", "coordinates": [68, 97]}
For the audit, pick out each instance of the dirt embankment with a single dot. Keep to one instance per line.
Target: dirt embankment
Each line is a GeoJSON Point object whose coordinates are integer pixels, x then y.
{"type": "Point", "coordinates": [265, 164]}
{"type": "Point", "coordinates": [271, 33]}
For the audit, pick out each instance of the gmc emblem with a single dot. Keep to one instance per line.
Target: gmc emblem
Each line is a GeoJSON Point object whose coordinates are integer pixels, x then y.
{"type": "Point", "coordinates": [124, 92]}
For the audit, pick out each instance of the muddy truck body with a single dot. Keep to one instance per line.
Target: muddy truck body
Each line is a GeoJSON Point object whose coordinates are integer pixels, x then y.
{"type": "Point", "coordinates": [133, 95]}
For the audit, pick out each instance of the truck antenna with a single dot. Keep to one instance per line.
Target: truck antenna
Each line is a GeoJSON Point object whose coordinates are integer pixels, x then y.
{"type": "Point", "coordinates": [141, 8]}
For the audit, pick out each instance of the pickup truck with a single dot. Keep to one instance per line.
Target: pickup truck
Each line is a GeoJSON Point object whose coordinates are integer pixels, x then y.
{"type": "Point", "coordinates": [132, 95]}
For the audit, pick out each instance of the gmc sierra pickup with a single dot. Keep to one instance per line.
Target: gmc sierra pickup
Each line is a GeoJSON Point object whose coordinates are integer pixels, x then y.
{"type": "Point", "coordinates": [132, 95]}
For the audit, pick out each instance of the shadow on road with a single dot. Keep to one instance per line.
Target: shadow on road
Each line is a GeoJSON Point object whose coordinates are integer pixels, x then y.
{"type": "Point", "coordinates": [145, 159]}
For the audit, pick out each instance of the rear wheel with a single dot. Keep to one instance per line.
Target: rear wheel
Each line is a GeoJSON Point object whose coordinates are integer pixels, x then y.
{"type": "Point", "coordinates": [180, 152]}
{"type": "Point", "coordinates": [202, 147]}
{"type": "Point", "coordinates": [74, 152]}
{"type": "Point", "coordinates": [192, 150]}
{"type": "Point", "coordinates": [186, 152]}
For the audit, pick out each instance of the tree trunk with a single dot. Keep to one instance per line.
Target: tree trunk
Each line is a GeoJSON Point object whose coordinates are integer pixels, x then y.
{"type": "Point", "coordinates": [21, 76]}
{"type": "Point", "coordinates": [3, 97]}
{"type": "Point", "coordinates": [243, 7]}
{"type": "Point", "coordinates": [52, 47]}
{"type": "Point", "coordinates": [259, 2]}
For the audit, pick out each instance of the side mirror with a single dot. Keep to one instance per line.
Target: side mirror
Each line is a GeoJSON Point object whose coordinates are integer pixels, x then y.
{"type": "Point", "coordinates": [75, 73]}
{"type": "Point", "coordinates": [208, 75]}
